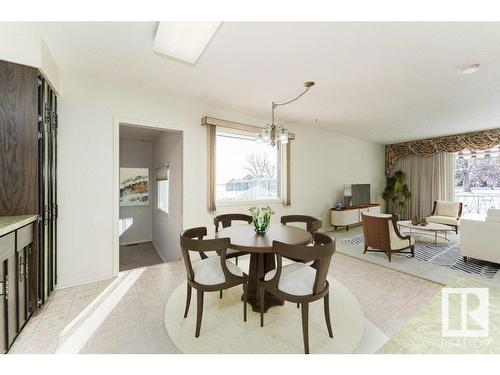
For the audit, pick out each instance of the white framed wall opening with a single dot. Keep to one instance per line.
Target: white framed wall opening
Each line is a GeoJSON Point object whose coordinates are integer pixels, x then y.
{"type": "Point", "coordinates": [148, 169]}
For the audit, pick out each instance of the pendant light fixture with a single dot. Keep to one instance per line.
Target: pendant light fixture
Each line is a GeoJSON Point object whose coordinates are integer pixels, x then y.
{"type": "Point", "coordinates": [274, 133]}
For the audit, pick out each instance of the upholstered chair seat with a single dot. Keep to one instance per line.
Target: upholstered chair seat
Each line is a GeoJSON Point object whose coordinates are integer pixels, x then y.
{"type": "Point", "coordinates": [209, 271]}
{"type": "Point", "coordinates": [397, 243]}
{"type": "Point", "coordinates": [296, 279]}
{"type": "Point", "coordinates": [447, 213]}
{"type": "Point", "coordinates": [443, 220]}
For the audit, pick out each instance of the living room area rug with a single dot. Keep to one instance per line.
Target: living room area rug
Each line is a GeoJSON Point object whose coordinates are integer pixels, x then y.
{"type": "Point", "coordinates": [444, 254]}
{"type": "Point", "coordinates": [440, 263]}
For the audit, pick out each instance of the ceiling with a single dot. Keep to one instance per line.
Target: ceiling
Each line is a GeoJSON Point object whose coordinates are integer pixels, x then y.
{"type": "Point", "coordinates": [138, 133]}
{"type": "Point", "coordinates": [385, 82]}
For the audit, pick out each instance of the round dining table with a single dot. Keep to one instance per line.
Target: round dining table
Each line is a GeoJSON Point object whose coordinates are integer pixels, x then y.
{"type": "Point", "coordinates": [260, 248]}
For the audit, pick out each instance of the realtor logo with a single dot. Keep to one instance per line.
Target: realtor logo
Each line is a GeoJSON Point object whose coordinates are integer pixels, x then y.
{"type": "Point", "coordinates": [465, 312]}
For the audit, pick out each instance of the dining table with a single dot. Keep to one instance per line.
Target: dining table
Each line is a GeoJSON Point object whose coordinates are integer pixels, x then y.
{"type": "Point", "coordinates": [262, 259]}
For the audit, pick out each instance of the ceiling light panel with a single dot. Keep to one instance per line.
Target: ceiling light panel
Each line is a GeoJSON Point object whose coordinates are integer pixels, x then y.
{"type": "Point", "coordinates": [184, 41]}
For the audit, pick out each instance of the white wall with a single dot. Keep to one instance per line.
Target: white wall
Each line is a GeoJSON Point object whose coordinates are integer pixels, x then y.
{"type": "Point", "coordinates": [167, 149]}
{"type": "Point", "coordinates": [25, 47]}
{"type": "Point", "coordinates": [322, 162]}
{"type": "Point", "coordinates": [138, 154]}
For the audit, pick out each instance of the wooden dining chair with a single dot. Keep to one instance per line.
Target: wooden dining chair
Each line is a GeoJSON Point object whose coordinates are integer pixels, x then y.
{"type": "Point", "coordinates": [227, 220]}
{"type": "Point", "coordinates": [312, 223]}
{"type": "Point", "coordinates": [210, 274]}
{"type": "Point", "coordinates": [299, 282]}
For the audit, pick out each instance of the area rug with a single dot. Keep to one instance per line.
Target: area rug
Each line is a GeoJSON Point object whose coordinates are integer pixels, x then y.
{"type": "Point", "coordinates": [423, 333]}
{"type": "Point", "coordinates": [223, 329]}
{"type": "Point", "coordinates": [446, 255]}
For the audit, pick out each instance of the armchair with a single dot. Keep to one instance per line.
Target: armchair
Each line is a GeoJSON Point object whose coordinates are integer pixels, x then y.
{"type": "Point", "coordinates": [381, 234]}
{"type": "Point", "coordinates": [447, 213]}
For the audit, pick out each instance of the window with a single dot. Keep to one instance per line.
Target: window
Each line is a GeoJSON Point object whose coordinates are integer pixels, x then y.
{"type": "Point", "coordinates": [477, 180]}
{"type": "Point", "coordinates": [163, 187]}
{"type": "Point", "coordinates": [246, 170]}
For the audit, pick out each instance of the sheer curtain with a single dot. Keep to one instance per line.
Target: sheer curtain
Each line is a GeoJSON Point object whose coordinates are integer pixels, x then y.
{"type": "Point", "coordinates": [429, 179]}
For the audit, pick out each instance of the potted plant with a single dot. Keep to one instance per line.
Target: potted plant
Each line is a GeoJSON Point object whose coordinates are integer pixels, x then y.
{"type": "Point", "coordinates": [261, 217]}
{"type": "Point", "coordinates": [396, 193]}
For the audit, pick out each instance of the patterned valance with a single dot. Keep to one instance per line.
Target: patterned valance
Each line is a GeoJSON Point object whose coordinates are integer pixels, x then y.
{"type": "Point", "coordinates": [479, 141]}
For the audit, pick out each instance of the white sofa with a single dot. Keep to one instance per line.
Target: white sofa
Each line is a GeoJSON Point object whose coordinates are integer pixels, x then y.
{"type": "Point", "coordinates": [480, 239]}
{"type": "Point", "coordinates": [447, 213]}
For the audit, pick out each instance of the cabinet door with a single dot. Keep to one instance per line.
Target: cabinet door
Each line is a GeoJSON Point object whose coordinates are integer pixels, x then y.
{"type": "Point", "coordinates": [10, 282]}
{"type": "Point", "coordinates": [48, 191]}
{"type": "Point", "coordinates": [24, 243]}
{"type": "Point", "coordinates": [21, 287]}
{"type": "Point", "coordinates": [3, 309]}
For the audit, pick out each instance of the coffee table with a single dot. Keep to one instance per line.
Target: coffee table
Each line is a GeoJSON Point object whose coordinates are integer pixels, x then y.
{"type": "Point", "coordinates": [438, 231]}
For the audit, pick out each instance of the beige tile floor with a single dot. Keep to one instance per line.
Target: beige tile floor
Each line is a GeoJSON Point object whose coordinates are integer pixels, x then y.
{"type": "Point", "coordinates": [125, 314]}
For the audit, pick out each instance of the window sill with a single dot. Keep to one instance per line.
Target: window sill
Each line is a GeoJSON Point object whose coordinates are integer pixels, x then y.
{"type": "Point", "coordinates": [248, 203]}
{"type": "Point", "coordinates": [162, 211]}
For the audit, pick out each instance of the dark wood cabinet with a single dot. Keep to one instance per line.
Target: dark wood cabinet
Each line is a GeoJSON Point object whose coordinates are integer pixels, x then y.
{"type": "Point", "coordinates": [3, 315]}
{"type": "Point", "coordinates": [28, 181]}
{"type": "Point", "coordinates": [14, 299]}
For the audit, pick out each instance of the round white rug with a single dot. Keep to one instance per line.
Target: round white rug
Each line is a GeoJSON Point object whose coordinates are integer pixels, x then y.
{"type": "Point", "coordinates": [223, 329]}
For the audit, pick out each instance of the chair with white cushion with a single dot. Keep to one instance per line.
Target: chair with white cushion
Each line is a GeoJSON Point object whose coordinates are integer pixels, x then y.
{"type": "Point", "coordinates": [313, 224]}
{"type": "Point", "coordinates": [227, 220]}
{"type": "Point", "coordinates": [447, 213]}
{"type": "Point", "coordinates": [210, 274]}
{"type": "Point", "coordinates": [299, 282]}
{"type": "Point", "coordinates": [381, 234]}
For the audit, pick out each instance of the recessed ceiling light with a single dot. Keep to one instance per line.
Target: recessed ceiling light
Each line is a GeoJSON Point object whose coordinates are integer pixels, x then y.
{"type": "Point", "coordinates": [184, 41]}
{"type": "Point", "coordinates": [469, 69]}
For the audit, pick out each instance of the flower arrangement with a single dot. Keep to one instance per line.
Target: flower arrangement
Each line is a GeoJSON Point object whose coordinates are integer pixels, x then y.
{"type": "Point", "coordinates": [261, 218]}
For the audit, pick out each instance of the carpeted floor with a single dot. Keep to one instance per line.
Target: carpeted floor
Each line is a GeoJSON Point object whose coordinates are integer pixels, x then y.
{"type": "Point", "coordinates": [223, 329]}
{"type": "Point", "coordinates": [351, 243]}
{"type": "Point", "coordinates": [444, 254]}
{"type": "Point", "coordinates": [138, 255]}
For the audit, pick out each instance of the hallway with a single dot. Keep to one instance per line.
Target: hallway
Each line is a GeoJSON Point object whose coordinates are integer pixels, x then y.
{"type": "Point", "coordinates": [138, 255]}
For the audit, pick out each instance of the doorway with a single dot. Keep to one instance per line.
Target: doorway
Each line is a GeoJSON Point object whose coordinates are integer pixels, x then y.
{"type": "Point", "coordinates": [150, 195]}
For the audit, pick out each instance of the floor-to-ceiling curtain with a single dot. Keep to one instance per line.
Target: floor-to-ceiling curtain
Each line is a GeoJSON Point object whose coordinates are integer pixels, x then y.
{"type": "Point", "coordinates": [429, 179]}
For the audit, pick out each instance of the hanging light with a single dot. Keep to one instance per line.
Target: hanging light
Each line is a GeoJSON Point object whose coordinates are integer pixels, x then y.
{"type": "Point", "coordinates": [274, 133]}
{"type": "Point", "coordinates": [266, 135]}
{"type": "Point", "coordinates": [283, 136]}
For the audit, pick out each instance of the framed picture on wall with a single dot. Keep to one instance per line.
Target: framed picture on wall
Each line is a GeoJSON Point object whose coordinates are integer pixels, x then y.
{"type": "Point", "coordinates": [134, 187]}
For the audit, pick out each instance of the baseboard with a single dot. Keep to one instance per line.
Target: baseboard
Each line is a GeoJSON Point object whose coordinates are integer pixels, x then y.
{"type": "Point", "coordinates": [79, 283]}
{"type": "Point", "coordinates": [158, 252]}
{"type": "Point", "coordinates": [134, 242]}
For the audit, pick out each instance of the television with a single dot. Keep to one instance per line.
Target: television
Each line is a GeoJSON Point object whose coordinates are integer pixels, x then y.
{"type": "Point", "coordinates": [356, 194]}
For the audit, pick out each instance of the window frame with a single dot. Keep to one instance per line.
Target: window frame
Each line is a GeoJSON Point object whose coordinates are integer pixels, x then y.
{"type": "Point", "coordinates": [280, 168]}
{"type": "Point", "coordinates": [158, 189]}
